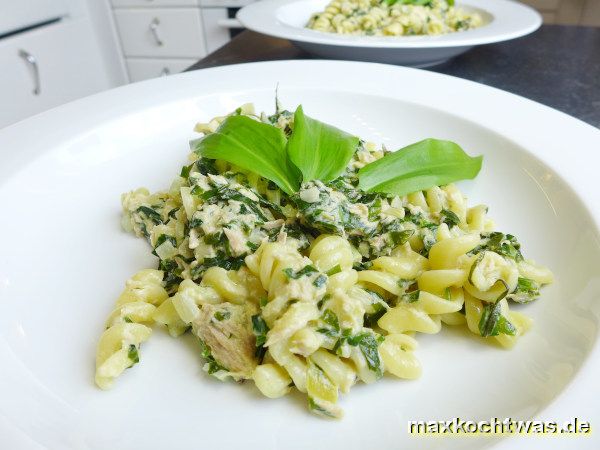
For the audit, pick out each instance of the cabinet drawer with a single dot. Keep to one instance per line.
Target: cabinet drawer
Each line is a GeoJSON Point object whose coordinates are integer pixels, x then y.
{"type": "Point", "coordinates": [20, 14]}
{"type": "Point", "coordinates": [152, 3]}
{"type": "Point", "coordinates": [143, 69]}
{"type": "Point", "coordinates": [216, 28]}
{"type": "Point", "coordinates": [175, 33]}
{"type": "Point", "coordinates": [66, 59]}
{"type": "Point", "coordinates": [226, 3]}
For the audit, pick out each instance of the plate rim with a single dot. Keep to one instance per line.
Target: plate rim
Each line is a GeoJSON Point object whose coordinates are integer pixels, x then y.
{"type": "Point", "coordinates": [261, 17]}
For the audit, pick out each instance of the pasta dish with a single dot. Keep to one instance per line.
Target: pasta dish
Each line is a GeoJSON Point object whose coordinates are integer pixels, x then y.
{"type": "Point", "coordinates": [302, 257]}
{"type": "Point", "coordinates": [393, 18]}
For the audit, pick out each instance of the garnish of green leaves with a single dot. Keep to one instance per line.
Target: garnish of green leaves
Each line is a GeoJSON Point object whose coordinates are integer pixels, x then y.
{"type": "Point", "coordinates": [254, 146]}
{"type": "Point", "coordinates": [320, 151]}
{"type": "Point", "coordinates": [419, 166]}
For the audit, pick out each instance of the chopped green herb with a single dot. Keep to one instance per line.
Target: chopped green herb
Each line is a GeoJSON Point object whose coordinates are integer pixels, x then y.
{"type": "Point", "coordinates": [493, 323]}
{"type": "Point", "coordinates": [332, 329]}
{"type": "Point", "coordinates": [527, 290]}
{"type": "Point", "coordinates": [410, 297]}
{"type": "Point", "coordinates": [448, 294]}
{"type": "Point", "coordinates": [172, 272]}
{"type": "Point", "coordinates": [151, 214]}
{"type": "Point", "coordinates": [404, 283]}
{"type": "Point", "coordinates": [214, 238]}
{"type": "Point", "coordinates": [335, 269]}
{"type": "Point", "coordinates": [206, 166]}
{"type": "Point", "coordinates": [342, 338]}
{"type": "Point", "coordinates": [371, 319]}
{"type": "Point", "coordinates": [162, 239]}
{"type": "Point", "coordinates": [315, 407]}
{"type": "Point", "coordinates": [305, 271]}
{"type": "Point", "coordinates": [133, 355]}
{"type": "Point", "coordinates": [224, 193]}
{"type": "Point", "coordinates": [400, 237]}
{"type": "Point", "coordinates": [366, 265]}
{"type": "Point", "coordinates": [478, 260]}
{"type": "Point", "coordinates": [449, 218]}
{"type": "Point", "coordinates": [321, 302]}
{"type": "Point", "coordinates": [212, 365]}
{"type": "Point", "coordinates": [220, 260]}
{"type": "Point", "coordinates": [197, 191]}
{"type": "Point", "coordinates": [368, 344]}
{"type": "Point", "coordinates": [260, 330]}
{"type": "Point", "coordinates": [331, 319]}
{"type": "Point", "coordinates": [505, 245]}
{"type": "Point", "coordinates": [222, 315]}
{"type": "Point", "coordinates": [173, 213]}
{"type": "Point", "coordinates": [185, 171]}
{"type": "Point", "coordinates": [320, 281]}
{"type": "Point", "coordinates": [195, 222]}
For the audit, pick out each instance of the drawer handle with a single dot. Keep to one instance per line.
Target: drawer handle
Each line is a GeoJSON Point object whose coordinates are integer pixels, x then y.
{"type": "Point", "coordinates": [32, 63]}
{"type": "Point", "coordinates": [154, 29]}
{"type": "Point", "coordinates": [165, 72]}
{"type": "Point", "coordinates": [229, 23]}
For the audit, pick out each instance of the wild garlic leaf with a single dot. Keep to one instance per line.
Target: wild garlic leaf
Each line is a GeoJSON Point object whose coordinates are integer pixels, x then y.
{"type": "Point", "coordinates": [254, 146]}
{"type": "Point", "coordinates": [419, 166]}
{"type": "Point", "coordinates": [319, 150]}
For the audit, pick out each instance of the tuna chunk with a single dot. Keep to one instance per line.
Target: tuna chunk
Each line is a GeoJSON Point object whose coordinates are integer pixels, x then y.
{"type": "Point", "coordinates": [226, 329]}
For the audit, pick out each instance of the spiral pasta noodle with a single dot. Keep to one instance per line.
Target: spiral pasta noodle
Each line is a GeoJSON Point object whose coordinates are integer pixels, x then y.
{"type": "Point", "coordinates": [118, 348]}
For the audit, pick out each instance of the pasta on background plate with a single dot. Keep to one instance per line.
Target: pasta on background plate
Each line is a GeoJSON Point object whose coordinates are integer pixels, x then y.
{"type": "Point", "coordinates": [311, 285]}
{"type": "Point", "coordinates": [393, 18]}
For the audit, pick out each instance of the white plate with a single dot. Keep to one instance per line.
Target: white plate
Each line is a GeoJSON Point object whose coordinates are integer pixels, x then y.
{"type": "Point", "coordinates": [64, 260]}
{"type": "Point", "coordinates": [287, 19]}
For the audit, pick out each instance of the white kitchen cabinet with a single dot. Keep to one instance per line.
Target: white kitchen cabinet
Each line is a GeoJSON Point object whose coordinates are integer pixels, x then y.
{"type": "Point", "coordinates": [161, 36]}
{"type": "Point", "coordinates": [49, 66]}
{"type": "Point", "coordinates": [16, 14]}
{"type": "Point", "coordinates": [225, 3]}
{"type": "Point", "coordinates": [157, 32]}
{"type": "Point", "coordinates": [152, 3]}
{"type": "Point", "coordinates": [216, 27]}
{"type": "Point", "coordinates": [146, 68]}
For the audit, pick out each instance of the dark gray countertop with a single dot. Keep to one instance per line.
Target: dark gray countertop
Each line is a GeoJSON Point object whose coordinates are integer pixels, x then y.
{"type": "Point", "coordinates": [558, 66]}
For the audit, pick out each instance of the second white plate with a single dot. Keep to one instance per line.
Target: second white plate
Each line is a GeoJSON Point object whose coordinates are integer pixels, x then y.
{"type": "Point", "coordinates": [287, 19]}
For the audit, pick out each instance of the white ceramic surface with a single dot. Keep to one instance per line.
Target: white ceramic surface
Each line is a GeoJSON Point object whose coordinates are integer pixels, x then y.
{"type": "Point", "coordinates": [64, 260]}
{"type": "Point", "coordinates": [287, 19]}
